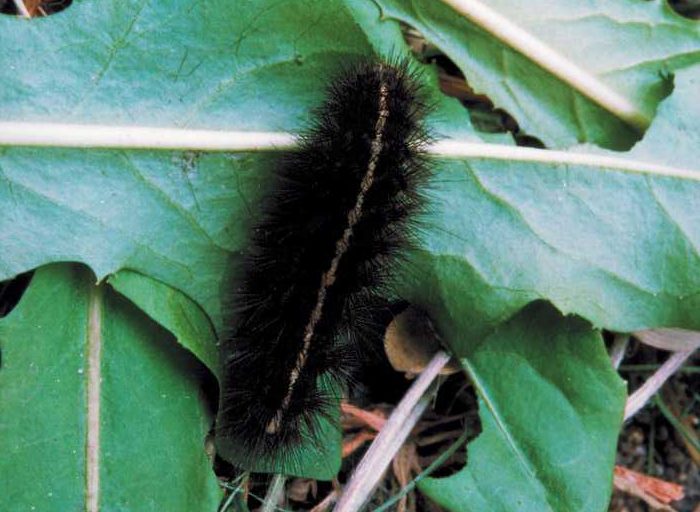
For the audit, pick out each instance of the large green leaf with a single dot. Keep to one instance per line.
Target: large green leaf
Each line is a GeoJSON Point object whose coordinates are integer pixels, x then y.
{"type": "Point", "coordinates": [175, 217]}
{"type": "Point", "coordinates": [629, 46]}
{"type": "Point", "coordinates": [139, 210]}
{"type": "Point", "coordinates": [551, 407]}
{"type": "Point", "coordinates": [620, 247]}
{"type": "Point", "coordinates": [209, 64]}
{"type": "Point", "coordinates": [152, 420]}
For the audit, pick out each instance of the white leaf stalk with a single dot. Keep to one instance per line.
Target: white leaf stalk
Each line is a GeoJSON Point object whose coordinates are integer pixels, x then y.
{"type": "Point", "coordinates": [182, 139]}
{"type": "Point", "coordinates": [139, 137]}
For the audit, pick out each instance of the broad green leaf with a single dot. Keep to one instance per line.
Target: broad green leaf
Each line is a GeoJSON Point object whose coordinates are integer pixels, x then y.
{"type": "Point", "coordinates": [172, 217]}
{"type": "Point", "coordinates": [629, 46]}
{"type": "Point", "coordinates": [152, 418]}
{"type": "Point", "coordinates": [172, 310]}
{"type": "Point", "coordinates": [551, 407]}
{"type": "Point", "coordinates": [618, 248]}
{"type": "Point", "coordinates": [210, 64]}
{"type": "Point", "coordinates": [175, 217]}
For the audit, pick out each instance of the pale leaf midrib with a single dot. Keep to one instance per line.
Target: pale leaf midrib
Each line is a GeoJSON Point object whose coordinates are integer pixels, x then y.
{"type": "Point", "coordinates": [549, 59]}
{"type": "Point", "coordinates": [523, 461]}
{"type": "Point", "coordinates": [152, 138]}
{"type": "Point", "coordinates": [94, 377]}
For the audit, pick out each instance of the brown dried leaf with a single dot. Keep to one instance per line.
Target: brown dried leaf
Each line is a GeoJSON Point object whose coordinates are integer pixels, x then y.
{"type": "Point", "coordinates": [655, 492]}
{"type": "Point", "coordinates": [356, 441]}
{"type": "Point", "coordinates": [359, 417]}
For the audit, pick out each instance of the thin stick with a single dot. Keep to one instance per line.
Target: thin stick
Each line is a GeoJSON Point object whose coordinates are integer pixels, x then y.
{"type": "Point", "coordinates": [640, 397]}
{"type": "Point", "coordinates": [618, 349]}
{"type": "Point", "coordinates": [427, 472]}
{"type": "Point", "coordinates": [22, 9]}
{"type": "Point", "coordinates": [143, 137]}
{"type": "Point", "coordinates": [234, 488]}
{"type": "Point", "coordinates": [392, 436]}
{"type": "Point", "coordinates": [274, 494]}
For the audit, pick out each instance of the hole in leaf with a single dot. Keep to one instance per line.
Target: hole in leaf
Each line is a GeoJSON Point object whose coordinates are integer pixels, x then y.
{"type": "Point", "coordinates": [11, 292]}
{"type": "Point", "coordinates": [485, 117]}
{"type": "Point", "coordinates": [35, 8]}
{"type": "Point", "coordinates": [687, 8]}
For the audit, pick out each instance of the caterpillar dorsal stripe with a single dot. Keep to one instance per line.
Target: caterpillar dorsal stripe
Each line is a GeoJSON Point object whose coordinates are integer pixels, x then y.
{"type": "Point", "coordinates": [320, 262]}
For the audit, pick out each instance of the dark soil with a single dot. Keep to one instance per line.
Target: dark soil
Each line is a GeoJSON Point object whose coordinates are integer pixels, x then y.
{"type": "Point", "coordinates": [649, 443]}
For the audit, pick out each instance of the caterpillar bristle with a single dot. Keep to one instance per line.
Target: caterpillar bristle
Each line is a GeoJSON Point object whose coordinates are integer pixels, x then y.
{"type": "Point", "coordinates": [319, 266]}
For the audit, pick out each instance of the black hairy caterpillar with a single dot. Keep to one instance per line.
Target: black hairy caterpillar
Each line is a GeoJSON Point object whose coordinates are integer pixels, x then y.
{"type": "Point", "coordinates": [319, 264]}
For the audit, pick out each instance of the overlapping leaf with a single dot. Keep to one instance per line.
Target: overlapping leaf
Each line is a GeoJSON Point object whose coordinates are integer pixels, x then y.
{"type": "Point", "coordinates": [630, 47]}
{"type": "Point", "coordinates": [546, 440]}
{"type": "Point", "coordinates": [152, 418]}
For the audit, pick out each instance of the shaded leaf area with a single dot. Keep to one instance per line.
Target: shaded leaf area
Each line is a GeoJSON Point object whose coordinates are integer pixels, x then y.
{"type": "Point", "coordinates": [630, 46]}
{"type": "Point", "coordinates": [153, 418]}
{"type": "Point", "coordinates": [172, 310]}
{"type": "Point", "coordinates": [550, 406]}
{"type": "Point", "coordinates": [11, 292]}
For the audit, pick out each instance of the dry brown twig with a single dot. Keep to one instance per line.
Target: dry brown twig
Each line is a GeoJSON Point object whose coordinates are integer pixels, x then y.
{"type": "Point", "coordinates": [681, 342]}
{"type": "Point", "coordinates": [639, 398]}
{"type": "Point", "coordinates": [390, 439]}
{"type": "Point", "coordinates": [655, 492]}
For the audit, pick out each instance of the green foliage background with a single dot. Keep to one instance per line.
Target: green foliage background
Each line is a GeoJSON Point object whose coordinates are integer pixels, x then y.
{"type": "Point", "coordinates": [605, 248]}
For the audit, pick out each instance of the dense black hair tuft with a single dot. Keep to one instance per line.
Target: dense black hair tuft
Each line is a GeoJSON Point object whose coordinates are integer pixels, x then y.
{"type": "Point", "coordinates": [320, 262]}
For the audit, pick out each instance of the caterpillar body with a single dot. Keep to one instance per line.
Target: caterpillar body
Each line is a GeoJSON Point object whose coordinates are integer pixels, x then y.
{"type": "Point", "coordinates": [335, 226]}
